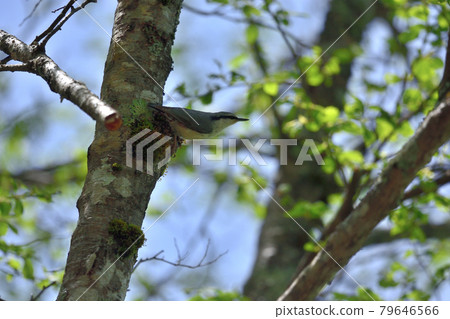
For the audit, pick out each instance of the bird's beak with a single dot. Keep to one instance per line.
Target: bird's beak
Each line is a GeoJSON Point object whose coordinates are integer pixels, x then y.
{"type": "Point", "coordinates": [241, 119]}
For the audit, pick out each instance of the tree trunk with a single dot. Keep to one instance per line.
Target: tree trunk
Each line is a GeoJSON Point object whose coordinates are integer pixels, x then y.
{"type": "Point", "coordinates": [281, 240]}
{"type": "Point", "coordinates": [114, 198]}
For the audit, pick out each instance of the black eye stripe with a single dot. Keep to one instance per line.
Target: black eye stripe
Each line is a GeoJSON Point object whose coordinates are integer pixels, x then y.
{"type": "Point", "coordinates": [217, 117]}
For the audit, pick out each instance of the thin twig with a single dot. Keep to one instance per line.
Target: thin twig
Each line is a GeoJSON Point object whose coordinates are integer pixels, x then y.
{"type": "Point", "coordinates": [54, 23]}
{"type": "Point", "coordinates": [31, 13]}
{"type": "Point", "coordinates": [186, 254]}
{"type": "Point", "coordinates": [283, 34]}
{"type": "Point", "coordinates": [400, 121]}
{"type": "Point", "coordinates": [64, 20]}
{"type": "Point", "coordinates": [419, 190]}
{"type": "Point", "coordinates": [219, 13]}
{"type": "Point", "coordinates": [6, 60]}
{"type": "Point", "coordinates": [58, 9]}
{"type": "Point", "coordinates": [179, 262]}
{"type": "Point", "coordinates": [34, 298]}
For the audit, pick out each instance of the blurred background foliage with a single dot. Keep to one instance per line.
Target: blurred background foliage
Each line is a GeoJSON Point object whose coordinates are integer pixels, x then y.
{"type": "Point", "coordinates": [278, 63]}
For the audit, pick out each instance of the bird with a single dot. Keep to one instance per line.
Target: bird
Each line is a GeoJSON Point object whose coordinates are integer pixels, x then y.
{"type": "Point", "coordinates": [193, 124]}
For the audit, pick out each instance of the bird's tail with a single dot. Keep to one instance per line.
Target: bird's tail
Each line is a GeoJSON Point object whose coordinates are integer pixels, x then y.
{"type": "Point", "coordinates": [156, 107]}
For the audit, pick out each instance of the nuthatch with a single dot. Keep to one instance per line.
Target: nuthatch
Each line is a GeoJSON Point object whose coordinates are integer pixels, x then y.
{"type": "Point", "coordinates": [192, 124]}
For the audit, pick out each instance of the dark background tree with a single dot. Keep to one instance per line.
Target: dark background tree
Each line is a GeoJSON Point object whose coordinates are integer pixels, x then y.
{"type": "Point", "coordinates": [359, 86]}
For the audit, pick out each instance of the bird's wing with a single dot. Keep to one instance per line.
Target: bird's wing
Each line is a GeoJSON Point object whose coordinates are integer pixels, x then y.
{"type": "Point", "coordinates": [194, 120]}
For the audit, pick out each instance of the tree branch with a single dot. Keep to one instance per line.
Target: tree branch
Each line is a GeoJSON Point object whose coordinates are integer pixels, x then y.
{"type": "Point", "coordinates": [283, 33]}
{"type": "Point", "coordinates": [44, 176]}
{"type": "Point", "coordinates": [444, 86]}
{"type": "Point", "coordinates": [343, 212]}
{"type": "Point", "coordinates": [58, 80]}
{"type": "Point", "coordinates": [54, 23]}
{"type": "Point", "coordinates": [179, 262]}
{"type": "Point", "coordinates": [388, 191]}
{"type": "Point", "coordinates": [34, 298]}
{"type": "Point", "coordinates": [351, 234]}
{"type": "Point", "coordinates": [381, 236]}
{"type": "Point", "coordinates": [347, 205]}
{"type": "Point", "coordinates": [418, 190]}
{"type": "Point", "coordinates": [24, 67]}
{"type": "Point", "coordinates": [59, 21]}
{"type": "Point", "coordinates": [217, 12]}
{"type": "Point", "coordinates": [36, 5]}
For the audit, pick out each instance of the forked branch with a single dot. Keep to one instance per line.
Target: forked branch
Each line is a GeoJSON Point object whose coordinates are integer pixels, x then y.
{"type": "Point", "coordinates": [37, 62]}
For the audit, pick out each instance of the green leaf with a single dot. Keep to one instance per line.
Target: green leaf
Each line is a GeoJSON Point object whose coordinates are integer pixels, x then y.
{"type": "Point", "coordinates": [206, 98]}
{"type": "Point", "coordinates": [18, 207]}
{"type": "Point", "coordinates": [410, 34]}
{"type": "Point", "coordinates": [251, 33]}
{"type": "Point", "coordinates": [350, 157]}
{"type": "Point", "coordinates": [308, 209]}
{"type": "Point", "coordinates": [442, 22]}
{"type": "Point", "coordinates": [424, 68]}
{"type": "Point", "coordinates": [312, 126]}
{"type": "Point", "coordinates": [328, 115]}
{"type": "Point", "coordinates": [363, 294]}
{"type": "Point", "coordinates": [239, 60]}
{"type": "Point", "coordinates": [28, 269]}
{"type": "Point", "coordinates": [181, 89]}
{"type": "Point", "coordinates": [388, 282]}
{"type": "Point", "coordinates": [420, 12]}
{"type": "Point", "coordinates": [395, 3]}
{"type": "Point", "coordinates": [390, 78]}
{"type": "Point", "coordinates": [384, 128]}
{"type": "Point", "coordinates": [220, 1]}
{"type": "Point", "coordinates": [9, 277]}
{"type": "Point", "coordinates": [14, 263]}
{"type": "Point", "coordinates": [5, 208]}
{"type": "Point", "coordinates": [220, 295]}
{"type": "Point", "coordinates": [3, 228]}
{"type": "Point", "coordinates": [345, 55]}
{"type": "Point", "coordinates": [260, 99]}
{"type": "Point", "coordinates": [250, 10]}
{"type": "Point", "coordinates": [235, 77]}
{"type": "Point", "coordinates": [330, 165]}
{"type": "Point", "coordinates": [407, 220]}
{"type": "Point", "coordinates": [220, 177]}
{"type": "Point", "coordinates": [355, 109]}
{"type": "Point", "coordinates": [43, 283]}
{"type": "Point", "coordinates": [350, 127]}
{"type": "Point", "coordinates": [311, 247]}
{"type": "Point", "coordinates": [260, 210]}
{"type": "Point", "coordinates": [293, 127]}
{"type": "Point", "coordinates": [368, 136]}
{"type": "Point", "coordinates": [270, 88]}
{"type": "Point", "coordinates": [332, 66]}
{"type": "Point", "coordinates": [417, 295]}
{"type": "Point", "coordinates": [405, 129]}
{"type": "Point", "coordinates": [412, 98]}
{"type": "Point", "coordinates": [13, 228]}
{"type": "Point", "coordinates": [314, 77]}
